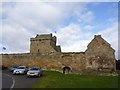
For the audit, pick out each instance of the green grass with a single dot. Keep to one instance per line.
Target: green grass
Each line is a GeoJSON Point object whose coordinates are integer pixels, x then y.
{"type": "Point", "coordinates": [53, 79]}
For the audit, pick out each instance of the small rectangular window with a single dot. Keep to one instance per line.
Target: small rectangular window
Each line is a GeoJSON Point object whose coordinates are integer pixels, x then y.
{"type": "Point", "coordinates": [38, 50]}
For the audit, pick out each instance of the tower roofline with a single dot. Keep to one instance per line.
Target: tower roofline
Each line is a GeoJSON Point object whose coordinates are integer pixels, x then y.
{"type": "Point", "coordinates": [44, 35]}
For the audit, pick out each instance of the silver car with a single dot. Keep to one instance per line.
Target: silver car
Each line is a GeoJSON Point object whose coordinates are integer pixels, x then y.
{"type": "Point", "coordinates": [13, 68]}
{"type": "Point", "coordinates": [34, 72]}
{"type": "Point", "coordinates": [20, 70]}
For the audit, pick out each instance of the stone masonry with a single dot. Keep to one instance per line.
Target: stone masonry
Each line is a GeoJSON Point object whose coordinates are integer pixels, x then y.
{"type": "Point", "coordinates": [98, 59]}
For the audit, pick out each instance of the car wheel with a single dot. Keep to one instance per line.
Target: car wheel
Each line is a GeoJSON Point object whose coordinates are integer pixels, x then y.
{"type": "Point", "coordinates": [25, 72]}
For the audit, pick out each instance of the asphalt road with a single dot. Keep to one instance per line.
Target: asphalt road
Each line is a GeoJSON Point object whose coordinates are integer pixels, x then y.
{"type": "Point", "coordinates": [7, 81]}
{"type": "Point", "coordinates": [0, 80]}
{"type": "Point", "coordinates": [17, 81]}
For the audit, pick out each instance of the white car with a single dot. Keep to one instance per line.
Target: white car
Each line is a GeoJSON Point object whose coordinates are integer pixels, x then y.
{"type": "Point", "coordinates": [20, 70]}
{"type": "Point", "coordinates": [34, 72]}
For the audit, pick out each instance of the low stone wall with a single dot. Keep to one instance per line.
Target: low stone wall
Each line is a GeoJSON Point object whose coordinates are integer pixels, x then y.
{"type": "Point", "coordinates": [56, 61]}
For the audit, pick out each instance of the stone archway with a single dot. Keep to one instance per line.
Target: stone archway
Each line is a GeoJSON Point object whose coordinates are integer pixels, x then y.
{"type": "Point", "coordinates": [66, 69]}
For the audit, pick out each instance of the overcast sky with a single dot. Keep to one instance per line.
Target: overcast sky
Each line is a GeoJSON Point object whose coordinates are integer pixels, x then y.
{"type": "Point", "coordinates": [75, 24]}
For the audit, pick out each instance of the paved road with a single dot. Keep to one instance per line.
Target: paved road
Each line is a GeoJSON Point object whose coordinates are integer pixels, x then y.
{"type": "Point", "coordinates": [17, 81]}
{"type": "Point", "coordinates": [0, 80]}
{"type": "Point", "coordinates": [7, 81]}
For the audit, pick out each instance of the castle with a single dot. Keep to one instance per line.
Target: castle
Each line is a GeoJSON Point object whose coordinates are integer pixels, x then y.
{"type": "Point", "coordinates": [99, 58]}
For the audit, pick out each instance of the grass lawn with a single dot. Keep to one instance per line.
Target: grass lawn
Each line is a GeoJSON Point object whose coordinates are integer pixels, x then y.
{"type": "Point", "coordinates": [53, 79]}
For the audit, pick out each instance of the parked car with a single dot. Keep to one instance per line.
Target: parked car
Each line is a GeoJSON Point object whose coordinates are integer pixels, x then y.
{"type": "Point", "coordinates": [2, 67]}
{"type": "Point", "coordinates": [34, 72]}
{"type": "Point", "coordinates": [20, 70]}
{"type": "Point", "coordinates": [13, 68]}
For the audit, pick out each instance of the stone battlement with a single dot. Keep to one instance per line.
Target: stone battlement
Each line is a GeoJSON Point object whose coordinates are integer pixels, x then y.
{"type": "Point", "coordinates": [44, 37]}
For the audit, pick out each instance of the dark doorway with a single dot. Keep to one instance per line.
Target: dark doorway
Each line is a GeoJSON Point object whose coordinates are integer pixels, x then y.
{"type": "Point", "coordinates": [66, 69]}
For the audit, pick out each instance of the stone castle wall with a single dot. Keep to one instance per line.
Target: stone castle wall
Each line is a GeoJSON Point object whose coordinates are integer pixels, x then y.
{"type": "Point", "coordinates": [76, 61]}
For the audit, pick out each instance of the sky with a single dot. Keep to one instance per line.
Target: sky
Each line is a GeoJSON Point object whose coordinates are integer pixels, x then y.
{"type": "Point", "coordinates": [75, 24]}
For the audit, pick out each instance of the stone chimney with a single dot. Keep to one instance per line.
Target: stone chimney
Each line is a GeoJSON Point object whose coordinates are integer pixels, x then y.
{"type": "Point", "coordinates": [95, 36]}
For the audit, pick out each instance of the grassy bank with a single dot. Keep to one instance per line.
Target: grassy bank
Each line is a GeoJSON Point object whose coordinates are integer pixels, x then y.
{"type": "Point", "coordinates": [52, 79]}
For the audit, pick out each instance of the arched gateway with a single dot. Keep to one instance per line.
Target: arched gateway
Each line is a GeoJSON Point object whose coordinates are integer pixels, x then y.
{"type": "Point", "coordinates": [66, 69]}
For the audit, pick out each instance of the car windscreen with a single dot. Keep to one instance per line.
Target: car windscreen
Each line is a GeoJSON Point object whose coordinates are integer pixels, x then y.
{"type": "Point", "coordinates": [34, 69]}
{"type": "Point", "coordinates": [15, 67]}
{"type": "Point", "coordinates": [21, 68]}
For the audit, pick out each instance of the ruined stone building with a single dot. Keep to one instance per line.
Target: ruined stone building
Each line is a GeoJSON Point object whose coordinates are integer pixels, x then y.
{"type": "Point", "coordinates": [99, 58]}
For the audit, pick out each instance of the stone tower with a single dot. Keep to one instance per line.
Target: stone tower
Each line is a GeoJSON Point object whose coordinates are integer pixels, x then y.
{"type": "Point", "coordinates": [44, 44]}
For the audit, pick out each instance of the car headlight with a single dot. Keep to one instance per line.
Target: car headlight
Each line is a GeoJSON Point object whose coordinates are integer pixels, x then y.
{"type": "Point", "coordinates": [28, 73]}
{"type": "Point", "coordinates": [14, 71]}
{"type": "Point", "coordinates": [36, 72]}
{"type": "Point", "coordinates": [21, 71]}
